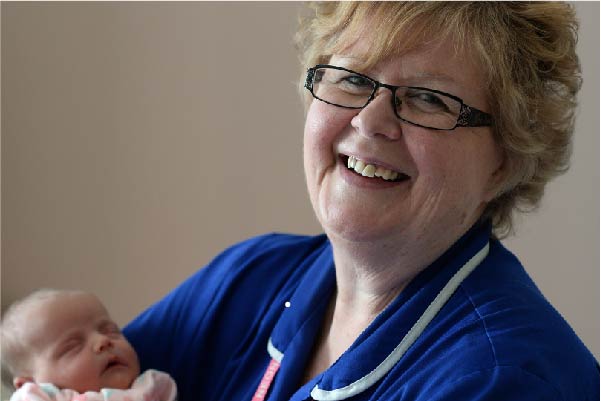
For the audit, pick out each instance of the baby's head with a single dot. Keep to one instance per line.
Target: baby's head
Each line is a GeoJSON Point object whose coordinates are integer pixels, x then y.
{"type": "Point", "coordinates": [66, 338]}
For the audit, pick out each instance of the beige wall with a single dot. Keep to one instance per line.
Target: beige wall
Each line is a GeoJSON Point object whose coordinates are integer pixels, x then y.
{"type": "Point", "coordinates": [140, 139]}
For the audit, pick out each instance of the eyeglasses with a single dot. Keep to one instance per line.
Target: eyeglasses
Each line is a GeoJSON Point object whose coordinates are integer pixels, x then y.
{"type": "Point", "coordinates": [423, 107]}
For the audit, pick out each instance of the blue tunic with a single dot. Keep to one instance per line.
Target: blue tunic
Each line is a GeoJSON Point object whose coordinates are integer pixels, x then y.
{"type": "Point", "coordinates": [496, 338]}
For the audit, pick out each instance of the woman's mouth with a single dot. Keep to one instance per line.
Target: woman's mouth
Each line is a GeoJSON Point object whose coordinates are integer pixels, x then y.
{"type": "Point", "coordinates": [374, 171]}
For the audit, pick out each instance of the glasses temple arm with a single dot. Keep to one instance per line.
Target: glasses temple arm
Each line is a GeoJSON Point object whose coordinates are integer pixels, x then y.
{"type": "Point", "coordinates": [472, 117]}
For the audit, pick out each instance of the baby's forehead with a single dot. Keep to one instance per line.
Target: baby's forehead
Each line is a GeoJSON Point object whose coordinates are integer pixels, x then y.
{"type": "Point", "coordinates": [54, 316]}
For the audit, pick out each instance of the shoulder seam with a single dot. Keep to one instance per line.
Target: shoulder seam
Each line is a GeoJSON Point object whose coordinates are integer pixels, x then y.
{"type": "Point", "coordinates": [496, 361]}
{"type": "Point", "coordinates": [481, 319]}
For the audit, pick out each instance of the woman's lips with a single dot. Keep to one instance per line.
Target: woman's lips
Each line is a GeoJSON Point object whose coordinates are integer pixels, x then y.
{"type": "Point", "coordinates": [372, 170]}
{"type": "Point", "coordinates": [360, 181]}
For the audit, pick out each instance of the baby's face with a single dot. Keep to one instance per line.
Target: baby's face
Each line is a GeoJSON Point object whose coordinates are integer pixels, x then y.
{"type": "Point", "coordinates": [77, 346]}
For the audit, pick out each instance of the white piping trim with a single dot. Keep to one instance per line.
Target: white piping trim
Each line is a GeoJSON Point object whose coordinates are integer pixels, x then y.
{"type": "Point", "coordinates": [372, 377]}
{"type": "Point", "coordinates": [274, 352]}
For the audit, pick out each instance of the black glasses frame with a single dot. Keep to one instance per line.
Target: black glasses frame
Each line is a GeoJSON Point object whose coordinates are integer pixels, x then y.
{"type": "Point", "coordinates": [468, 116]}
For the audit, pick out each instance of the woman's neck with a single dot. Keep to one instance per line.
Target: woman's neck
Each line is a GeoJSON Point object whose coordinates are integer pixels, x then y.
{"type": "Point", "coordinates": [368, 278]}
{"type": "Point", "coordinates": [369, 275]}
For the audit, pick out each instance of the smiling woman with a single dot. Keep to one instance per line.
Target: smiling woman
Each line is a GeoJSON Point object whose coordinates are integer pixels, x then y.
{"type": "Point", "coordinates": [452, 175]}
{"type": "Point", "coordinates": [133, 130]}
{"type": "Point", "coordinates": [416, 153]}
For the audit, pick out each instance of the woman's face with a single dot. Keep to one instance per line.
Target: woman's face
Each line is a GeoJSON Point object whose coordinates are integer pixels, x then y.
{"type": "Point", "coordinates": [451, 175]}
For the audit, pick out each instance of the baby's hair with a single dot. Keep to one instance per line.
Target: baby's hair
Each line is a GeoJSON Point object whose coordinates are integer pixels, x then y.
{"type": "Point", "coordinates": [15, 354]}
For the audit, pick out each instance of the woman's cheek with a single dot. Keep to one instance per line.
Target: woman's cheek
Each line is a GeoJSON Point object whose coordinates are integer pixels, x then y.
{"type": "Point", "coordinates": [327, 121]}
{"type": "Point", "coordinates": [318, 137]}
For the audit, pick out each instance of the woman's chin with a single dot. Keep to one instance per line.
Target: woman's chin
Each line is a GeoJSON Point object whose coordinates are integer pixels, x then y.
{"type": "Point", "coordinates": [363, 228]}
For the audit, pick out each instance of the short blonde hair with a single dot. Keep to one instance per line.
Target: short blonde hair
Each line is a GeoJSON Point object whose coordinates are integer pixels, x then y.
{"type": "Point", "coordinates": [16, 353]}
{"type": "Point", "coordinates": [527, 52]}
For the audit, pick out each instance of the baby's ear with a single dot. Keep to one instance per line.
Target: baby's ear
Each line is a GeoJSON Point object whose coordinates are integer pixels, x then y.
{"type": "Point", "coordinates": [21, 380]}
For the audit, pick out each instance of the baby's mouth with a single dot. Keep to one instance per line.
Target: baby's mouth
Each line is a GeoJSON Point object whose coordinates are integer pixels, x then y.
{"type": "Point", "coordinates": [372, 171]}
{"type": "Point", "coordinates": [114, 362]}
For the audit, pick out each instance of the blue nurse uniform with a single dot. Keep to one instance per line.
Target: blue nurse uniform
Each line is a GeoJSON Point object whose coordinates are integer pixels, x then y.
{"type": "Point", "coordinates": [472, 326]}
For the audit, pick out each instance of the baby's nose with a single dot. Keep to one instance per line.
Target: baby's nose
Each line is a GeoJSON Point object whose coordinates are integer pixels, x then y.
{"type": "Point", "coordinates": [102, 343]}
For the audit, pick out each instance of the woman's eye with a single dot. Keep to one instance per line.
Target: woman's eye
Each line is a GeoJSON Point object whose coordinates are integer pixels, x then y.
{"type": "Point", "coordinates": [318, 76]}
{"type": "Point", "coordinates": [430, 98]}
{"type": "Point", "coordinates": [426, 101]}
{"type": "Point", "coordinates": [357, 80]}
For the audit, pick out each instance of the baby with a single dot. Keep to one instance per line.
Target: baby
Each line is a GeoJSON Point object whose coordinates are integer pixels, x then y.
{"type": "Point", "coordinates": [63, 346]}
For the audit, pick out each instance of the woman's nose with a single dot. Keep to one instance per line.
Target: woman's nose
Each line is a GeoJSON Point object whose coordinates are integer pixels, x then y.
{"type": "Point", "coordinates": [378, 118]}
{"type": "Point", "coordinates": [102, 343]}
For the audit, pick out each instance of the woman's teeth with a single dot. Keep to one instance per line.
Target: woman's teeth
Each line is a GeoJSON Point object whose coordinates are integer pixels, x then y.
{"type": "Point", "coordinates": [369, 170]}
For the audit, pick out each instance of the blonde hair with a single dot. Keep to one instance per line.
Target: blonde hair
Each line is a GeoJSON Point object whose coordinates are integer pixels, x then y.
{"type": "Point", "coordinates": [16, 353]}
{"type": "Point", "coordinates": [527, 52]}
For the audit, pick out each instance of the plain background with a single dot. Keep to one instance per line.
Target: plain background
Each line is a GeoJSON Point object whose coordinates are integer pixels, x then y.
{"type": "Point", "coordinates": [140, 139]}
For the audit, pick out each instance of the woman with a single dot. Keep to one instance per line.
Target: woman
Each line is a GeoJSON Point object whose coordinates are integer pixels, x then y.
{"type": "Point", "coordinates": [422, 136]}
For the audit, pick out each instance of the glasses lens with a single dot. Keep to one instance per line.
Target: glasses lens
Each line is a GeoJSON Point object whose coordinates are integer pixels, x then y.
{"type": "Point", "coordinates": [427, 108]}
{"type": "Point", "coordinates": [342, 88]}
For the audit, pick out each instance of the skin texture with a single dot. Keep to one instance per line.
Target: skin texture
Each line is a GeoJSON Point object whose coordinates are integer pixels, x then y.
{"type": "Point", "coordinates": [75, 345]}
{"type": "Point", "coordinates": [383, 234]}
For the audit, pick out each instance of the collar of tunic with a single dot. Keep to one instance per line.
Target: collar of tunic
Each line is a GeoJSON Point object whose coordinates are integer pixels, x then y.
{"type": "Point", "coordinates": [384, 341]}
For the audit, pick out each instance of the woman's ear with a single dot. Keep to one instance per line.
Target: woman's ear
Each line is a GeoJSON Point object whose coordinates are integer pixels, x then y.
{"type": "Point", "coordinates": [21, 380]}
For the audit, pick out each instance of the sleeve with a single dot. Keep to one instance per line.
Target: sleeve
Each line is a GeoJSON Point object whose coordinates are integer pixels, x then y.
{"type": "Point", "coordinates": [172, 335]}
{"type": "Point", "coordinates": [502, 383]}
{"type": "Point", "coordinates": [164, 334]}
{"type": "Point", "coordinates": [203, 326]}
